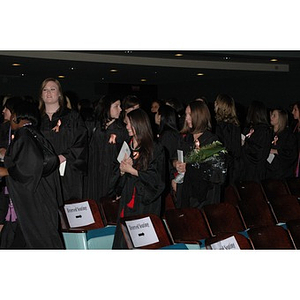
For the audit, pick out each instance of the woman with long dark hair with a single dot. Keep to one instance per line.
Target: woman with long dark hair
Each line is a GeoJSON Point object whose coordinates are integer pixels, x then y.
{"type": "Point", "coordinates": [169, 136]}
{"type": "Point", "coordinates": [141, 176]}
{"type": "Point", "coordinates": [296, 130]}
{"type": "Point", "coordinates": [106, 141]}
{"type": "Point", "coordinates": [256, 143]}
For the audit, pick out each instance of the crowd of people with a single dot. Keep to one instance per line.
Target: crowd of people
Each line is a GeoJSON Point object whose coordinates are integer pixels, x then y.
{"type": "Point", "coordinates": [52, 151]}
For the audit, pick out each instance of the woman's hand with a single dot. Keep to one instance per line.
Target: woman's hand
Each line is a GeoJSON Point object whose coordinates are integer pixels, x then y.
{"type": "Point", "coordinates": [126, 166]}
{"type": "Point", "coordinates": [274, 151]}
{"type": "Point", "coordinates": [3, 172]}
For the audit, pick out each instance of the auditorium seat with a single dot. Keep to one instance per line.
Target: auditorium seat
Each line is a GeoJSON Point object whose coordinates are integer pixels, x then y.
{"type": "Point", "coordinates": [243, 242]}
{"type": "Point", "coordinates": [187, 225]}
{"type": "Point", "coordinates": [222, 218]}
{"type": "Point", "coordinates": [294, 186]}
{"type": "Point", "coordinates": [110, 207]}
{"type": "Point", "coordinates": [285, 208]}
{"type": "Point", "coordinates": [250, 190]}
{"type": "Point", "coordinates": [271, 237]}
{"type": "Point", "coordinates": [95, 235]}
{"type": "Point", "coordinates": [274, 187]}
{"type": "Point", "coordinates": [294, 228]}
{"type": "Point", "coordinates": [146, 231]}
{"type": "Point", "coordinates": [231, 195]}
{"type": "Point", "coordinates": [253, 205]}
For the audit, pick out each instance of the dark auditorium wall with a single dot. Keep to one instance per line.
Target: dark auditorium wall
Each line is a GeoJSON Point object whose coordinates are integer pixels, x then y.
{"type": "Point", "coordinates": [273, 89]}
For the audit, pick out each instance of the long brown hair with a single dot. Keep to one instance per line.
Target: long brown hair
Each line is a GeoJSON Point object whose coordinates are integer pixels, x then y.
{"type": "Point", "coordinates": [226, 110]}
{"type": "Point", "coordinates": [140, 122]}
{"type": "Point", "coordinates": [60, 100]}
{"type": "Point", "coordinates": [201, 119]}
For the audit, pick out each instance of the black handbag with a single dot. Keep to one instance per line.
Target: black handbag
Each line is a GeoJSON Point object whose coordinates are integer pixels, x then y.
{"type": "Point", "coordinates": [51, 160]}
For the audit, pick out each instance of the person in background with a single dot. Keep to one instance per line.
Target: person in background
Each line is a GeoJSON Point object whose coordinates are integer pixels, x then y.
{"type": "Point", "coordinates": [155, 104]}
{"type": "Point", "coordinates": [109, 133]}
{"type": "Point", "coordinates": [5, 138]}
{"type": "Point", "coordinates": [283, 154]}
{"type": "Point", "coordinates": [130, 103]}
{"type": "Point", "coordinates": [229, 133]}
{"type": "Point", "coordinates": [169, 137]}
{"type": "Point", "coordinates": [196, 133]}
{"type": "Point", "coordinates": [256, 143]}
{"type": "Point", "coordinates": [66, 131]}
{"type": "Point", "coordinates": [296, 130]}
{"type": "Point", "coordinates": [33, 219]}
{"type": "Point", "coordinates": [142, 174]}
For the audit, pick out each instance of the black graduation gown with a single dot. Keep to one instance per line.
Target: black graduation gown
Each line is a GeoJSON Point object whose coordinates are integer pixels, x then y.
{"type": "Point", "coordinates": [255, 152]}
{"type": "Point", "coordinates": [142, 194]}
{"type": "Point", "coordinates": [196, 191]}
{"type": "Point", "coordinates": [230, 136]}
{"type": "Point", "coordinates": [294, 128]}
{"type": "Point", "coordinates": [72, 142]}
{"type": "Point", "coordinates": [284, 163]}
{"type": "Point", "coordinates": [4, 200]}
{"type": "Point", "coordinates": [35, 198]}
{"type": "Point", "coordinates": [102, 155]}
{"type": "Point", "coordinates": [170, 140]}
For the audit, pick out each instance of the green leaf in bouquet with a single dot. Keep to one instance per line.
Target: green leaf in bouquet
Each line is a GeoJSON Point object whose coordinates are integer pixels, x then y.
{"type": "Point", "coordinates": [205, 152]}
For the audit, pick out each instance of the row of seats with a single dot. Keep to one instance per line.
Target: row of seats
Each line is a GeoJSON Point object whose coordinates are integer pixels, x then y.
{"type": "Point", "coordinates": [262, 215]}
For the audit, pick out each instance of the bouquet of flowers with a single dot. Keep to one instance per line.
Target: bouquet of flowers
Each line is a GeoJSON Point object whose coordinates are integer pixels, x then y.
{"type": "Point", "coordinates": [211, 160]}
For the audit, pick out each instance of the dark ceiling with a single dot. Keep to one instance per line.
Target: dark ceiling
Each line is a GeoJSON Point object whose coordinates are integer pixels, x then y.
{"type": "Point", "coordinates": [156, 67]}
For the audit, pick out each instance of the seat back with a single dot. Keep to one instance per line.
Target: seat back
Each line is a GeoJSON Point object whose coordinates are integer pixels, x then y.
{"type": "Point", "coordinates": [274, 187]}
{"type": "Point", "coordinates": [187, 225]}
{"type": "Point", "coordinates": [145, 231]}
{"type": "Point", "coordinates": [294, 229]}
{"type": "Point", "coordinates": [223, 217]}
{"type": "Point", "coordinates": [285, 207]}
{"type": "Point", "coordinates": [243, 242]}
{"type": "Point", "coordinates": [80, 215]}
{"type": "Point", "coordinates": [294, 186]}
{"type": "Point", "coordinates": [110, 208]}
{"type": "Point", "coordinates": [253, 205]}
{"type": "Point", "coordinates": [231, 195]}
{"type": "Point", "coordinates": [271, 237]}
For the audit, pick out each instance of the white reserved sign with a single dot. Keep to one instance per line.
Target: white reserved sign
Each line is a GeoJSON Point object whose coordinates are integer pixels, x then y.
{"type": "Point", "coordinates": [142, 232]}
{"type": "Point", "coordinates": [79, 214]}
{"type": "Point", "coordinates": [227, 244]}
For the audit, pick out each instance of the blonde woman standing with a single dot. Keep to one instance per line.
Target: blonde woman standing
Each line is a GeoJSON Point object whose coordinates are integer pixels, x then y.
{"type": "Point", "coordinates": [229, 133]}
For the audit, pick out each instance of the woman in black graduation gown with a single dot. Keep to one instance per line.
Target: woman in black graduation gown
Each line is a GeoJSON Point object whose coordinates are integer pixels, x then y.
{"type": "Point", "coordinates": [141, 176]}
{"type": "Point", "coordinates": [169, 137]}
{"type": "Point", "coordinates": [295, 127]}
{"type": "Point", "coordinates": [284, 148]}
{"type": "Point", "coordinates": [35, 196]}
{"type": "Point", "coordinates": [256, 143]}
{"type": "Point", "coordinates": [229, 133]}
{"type": "Point", "coordinates": [66, 131]}
{"type": "Point", "coordinates": [196, 191]}
{"type": "Point", "coordinates": [5, 134]}
{"type": "Point", "coordinates": [106, 141]}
